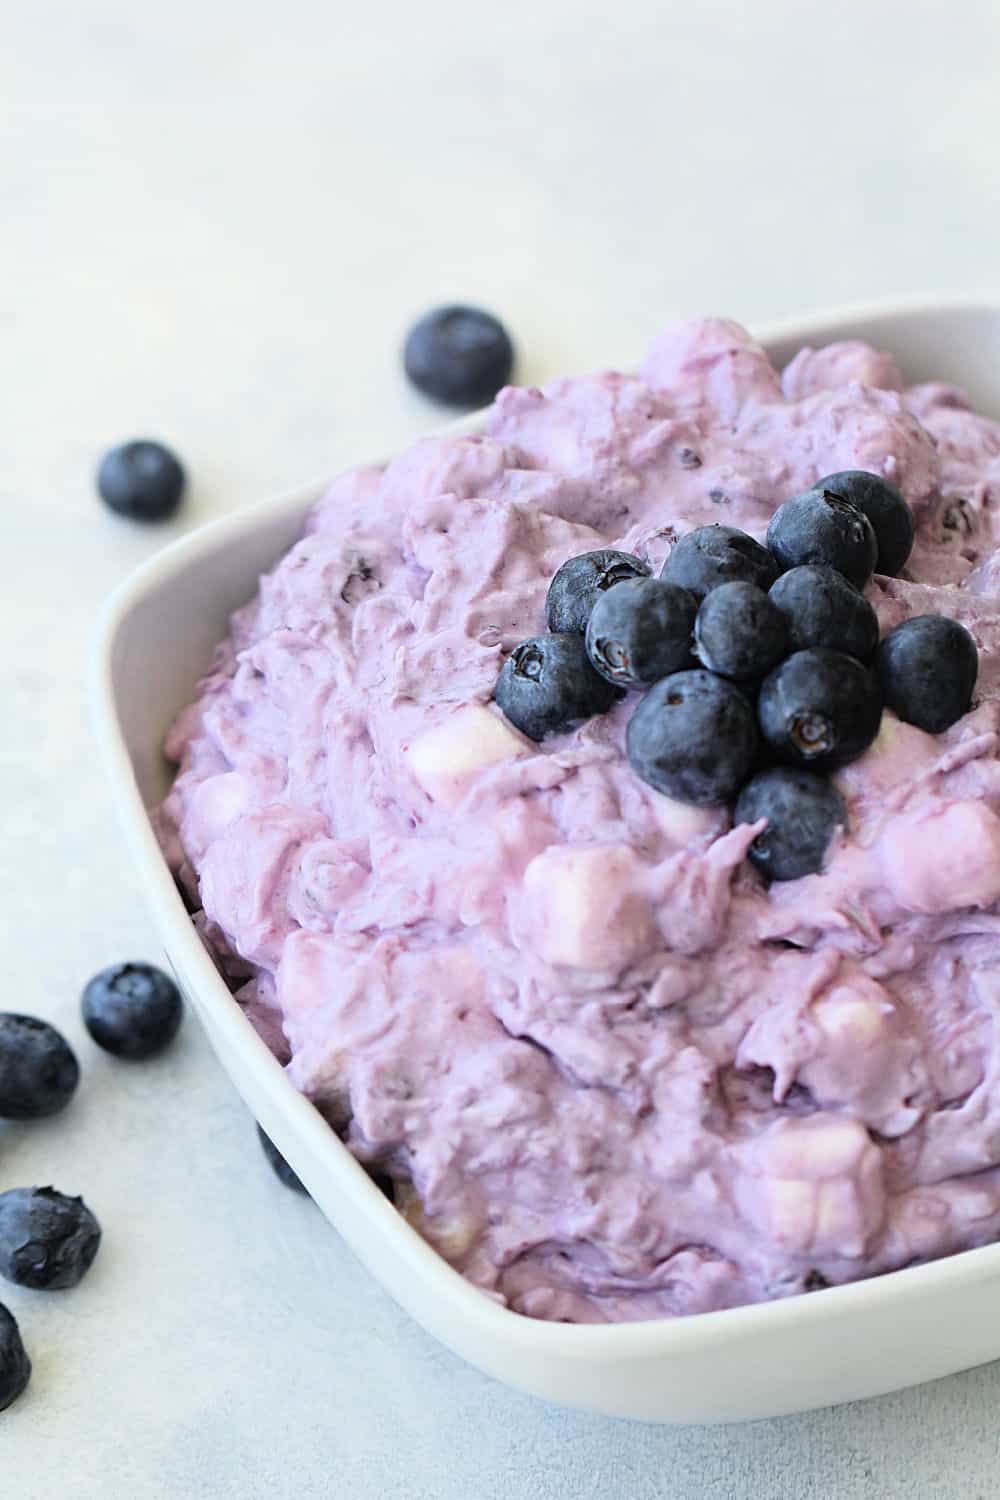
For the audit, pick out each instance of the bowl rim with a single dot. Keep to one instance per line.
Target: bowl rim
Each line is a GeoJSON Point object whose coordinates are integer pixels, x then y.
{"type": "Point", "coordinates": [640, 1339]}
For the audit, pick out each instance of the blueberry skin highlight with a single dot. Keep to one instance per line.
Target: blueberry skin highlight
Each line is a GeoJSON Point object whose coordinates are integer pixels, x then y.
{"type": "Point", "coordinates": [819, 708]}
{"type": "Point", "coordinates": [547, 684]}
{"type": "Point", "coordinates": [142, 480]}
{"type": "Point", "coordinates": [15, 1366]}
{"type": "Point", "coordinates": [818, 527]}
{"type": "Point", "coordinates": [580, 582]}
{"type": "Point", "coordinates": [821, 608]}
{"type": "Point", "coordinates": [693, 737]}
{"type": "Point", "coordinates": [132, 1010]}
{"type": "Point", "coordinates": [712, 555]}
{"type": "Point", "coordinates": [48, 1241]}
{"type": "Point", "coordinates": [38, 1069]}
{"type": "Point", "coordinates": [803, 811]}
{"type": "Point", "coordinates": [891, 517]}
{"type": "Point", "coordinates": [640, 631]}
{"type": "Point", "coordinates": [928, 668]}
{"type": "Point", "coordinates": [460, 355]}
{"type": "Point", "coordinates": [739, 633]}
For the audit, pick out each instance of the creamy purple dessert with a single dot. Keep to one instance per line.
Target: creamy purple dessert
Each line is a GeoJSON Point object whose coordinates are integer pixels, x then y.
{"type": "Point", "coordinates": [611, 1072]}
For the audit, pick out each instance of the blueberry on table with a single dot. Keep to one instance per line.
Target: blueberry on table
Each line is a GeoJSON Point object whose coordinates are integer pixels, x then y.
{"type": "Point", "coordinates": [640, 631]}
{"type": "Point", "coordinates": [132, 1010]}
{"type": "Point", "coordinates": [279, 1165]}
{"type": "Point", "coordinates": [803, 811]}
{"type": "Point", "coordinates": [580, 582]}
{"type": "Point", "coordinates": [739, 633]}
{"type": "Point", "coordinates": [881, 502]}
{"type": "Point", "coordinates": [711, 555]}
{"type": "Point", "coordinates": [820, 527]}
{"type": "Point", "coordinates": [547, 684]}
{"type": "Point", "coordinates": [15, 1366]}
{"type": "Point", "coordinates": [141, 480]}
{"type": "Point", "coordinates": [821, 608]}
{"type": "Point", "coordinates": [47, 1240]}
{"type": "Point", "coordinates": [928, 667]}
{"type": "Point", "coordinates": [819, 708]}
{"type": "Point", "coordinates": [693, 737]}
{"type": "Point", "coordinates": [459, 355]}
{"type": "Point", "coordinates": [38, 1070]}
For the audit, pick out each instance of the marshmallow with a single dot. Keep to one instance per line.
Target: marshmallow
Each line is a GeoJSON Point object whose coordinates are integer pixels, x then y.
{"type": "Point", "coordinates": [445, 760]}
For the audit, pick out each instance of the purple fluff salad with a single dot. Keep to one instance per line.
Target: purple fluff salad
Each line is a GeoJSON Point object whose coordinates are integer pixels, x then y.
{"type": "Point", "coordinates": [612, 1073]}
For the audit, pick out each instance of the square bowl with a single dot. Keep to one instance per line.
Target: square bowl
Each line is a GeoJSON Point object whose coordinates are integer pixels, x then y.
{"type": "Point", "coordinates": [811, 1350]}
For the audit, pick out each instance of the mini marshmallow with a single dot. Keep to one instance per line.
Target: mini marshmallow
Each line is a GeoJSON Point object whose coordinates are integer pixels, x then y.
{"type": "Point", "coordinates": [682, 822]}
{"type": "Point", "coordinates": [445, 760]}
{"type": "Point", "coordinates": [814, 1185]}
{"type": "Point", "coordinates": [584, 907]}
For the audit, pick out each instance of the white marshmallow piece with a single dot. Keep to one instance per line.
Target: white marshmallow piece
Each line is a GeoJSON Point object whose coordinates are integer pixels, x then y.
{"type": "Point", "coordinates": [584, 906]}
{"type": "Point", "coordinates": [814, 1185]}
{"type": "Point", "coordinates": [445, 760]}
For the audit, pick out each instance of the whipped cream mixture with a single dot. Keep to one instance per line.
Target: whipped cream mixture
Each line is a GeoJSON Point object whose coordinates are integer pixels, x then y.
{"type": "Point", "coordinates": [612, 1074]}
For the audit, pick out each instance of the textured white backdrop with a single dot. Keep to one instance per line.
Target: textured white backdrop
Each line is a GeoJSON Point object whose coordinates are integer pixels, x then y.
{"type": "Point", "coordinates": [216, 220]}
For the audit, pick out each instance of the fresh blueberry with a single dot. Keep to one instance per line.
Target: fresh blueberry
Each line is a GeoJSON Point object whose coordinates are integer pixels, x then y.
{"type": "Point", "coordinates": [38, 1071]}
{"type": "Point", "coordinates": [142, 480]}
{"type": "Point", "coordinates": [47, 1240]}
{"type": "Point", "coordinates": [818, 527]}
{"type": "Point", "coordinates": [822, 609]}
{"type": "Point", "coordinates": [460, 355]}
{"type": "Point", "coordinates": [640, 631]}
{"type": "Point", "coordinates": [739, 632]}
{"type": "Point", "coordinates": [693, 737]}
{"type": "Point", "coordinates": [802, 810]}
{"type": "Point", "coordinates": [711, 555]}
{"type": "Point", "coordinates": [132, 1010]}
{"type": "Point", "coordinates": [281, 1169]}
{"type": "Point", "coordinates": [881, 502]}
{"type": "Point", "coordinates": [580, 582]}
{"type": "Point", "coordinates": [15, 1366]}
{"type": "Point", "coordinates": [547, 684]}
{"type": "Point", "coordinates": [819, 708]}
{"type": "Point", "coordinates": [928, 668]}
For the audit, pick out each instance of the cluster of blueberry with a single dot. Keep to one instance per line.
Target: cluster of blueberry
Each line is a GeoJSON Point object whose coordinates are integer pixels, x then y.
{"type": "Point", "coordinates": [47, 1239]}
{"type": "Point", "coordinates": [761, 665]}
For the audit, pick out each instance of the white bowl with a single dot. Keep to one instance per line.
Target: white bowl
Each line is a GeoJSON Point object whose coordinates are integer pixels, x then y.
{"type": "Point", "coordinates": [154, 640]}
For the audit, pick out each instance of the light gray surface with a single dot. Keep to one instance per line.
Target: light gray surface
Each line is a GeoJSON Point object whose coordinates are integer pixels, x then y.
{"type": "Point", "coordinates": [215, 223]}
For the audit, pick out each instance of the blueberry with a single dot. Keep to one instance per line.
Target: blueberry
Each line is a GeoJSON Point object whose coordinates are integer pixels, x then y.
{"type": "Point", "coordinates": [711, 555]}
{"type": "Point", "coordinates": [928, 668]}
{"type": "Point", "coordinates": [142, 480]}
{"type": "Point", "coordinates": [15, 1366]}
{"type": "Point", "coordinates": [693, 737]}
{"type": "Point", "coordinates": [281, 1169]}
{"type": "Point", "coordinates": [38, 1070]}
{"type": "Point", "coordinates": [460, 355]}
{"type": "Point", "coordinates": [881, 502]}
{"type": "Point", "coordinates": [739, 632]}
{"type": "Point", "coordinates": [802, 810]}
{"type": "Point", "coordinates": [47, 1240]}
{"type": "Point", "coordinates": [818, 527]}
{"type": "Point", "coordinates": [579, 583]}
{"type": "Point", "coordinates": [822, 609]}
{"type": "Point", "coordinates": [819, 708]}
{"type": "Point", "coordinates": [640, 631]}
{"type": "Point", "coordinates": [547, 684]}
{"type": "Point", "coordinates": [132, 1010]}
